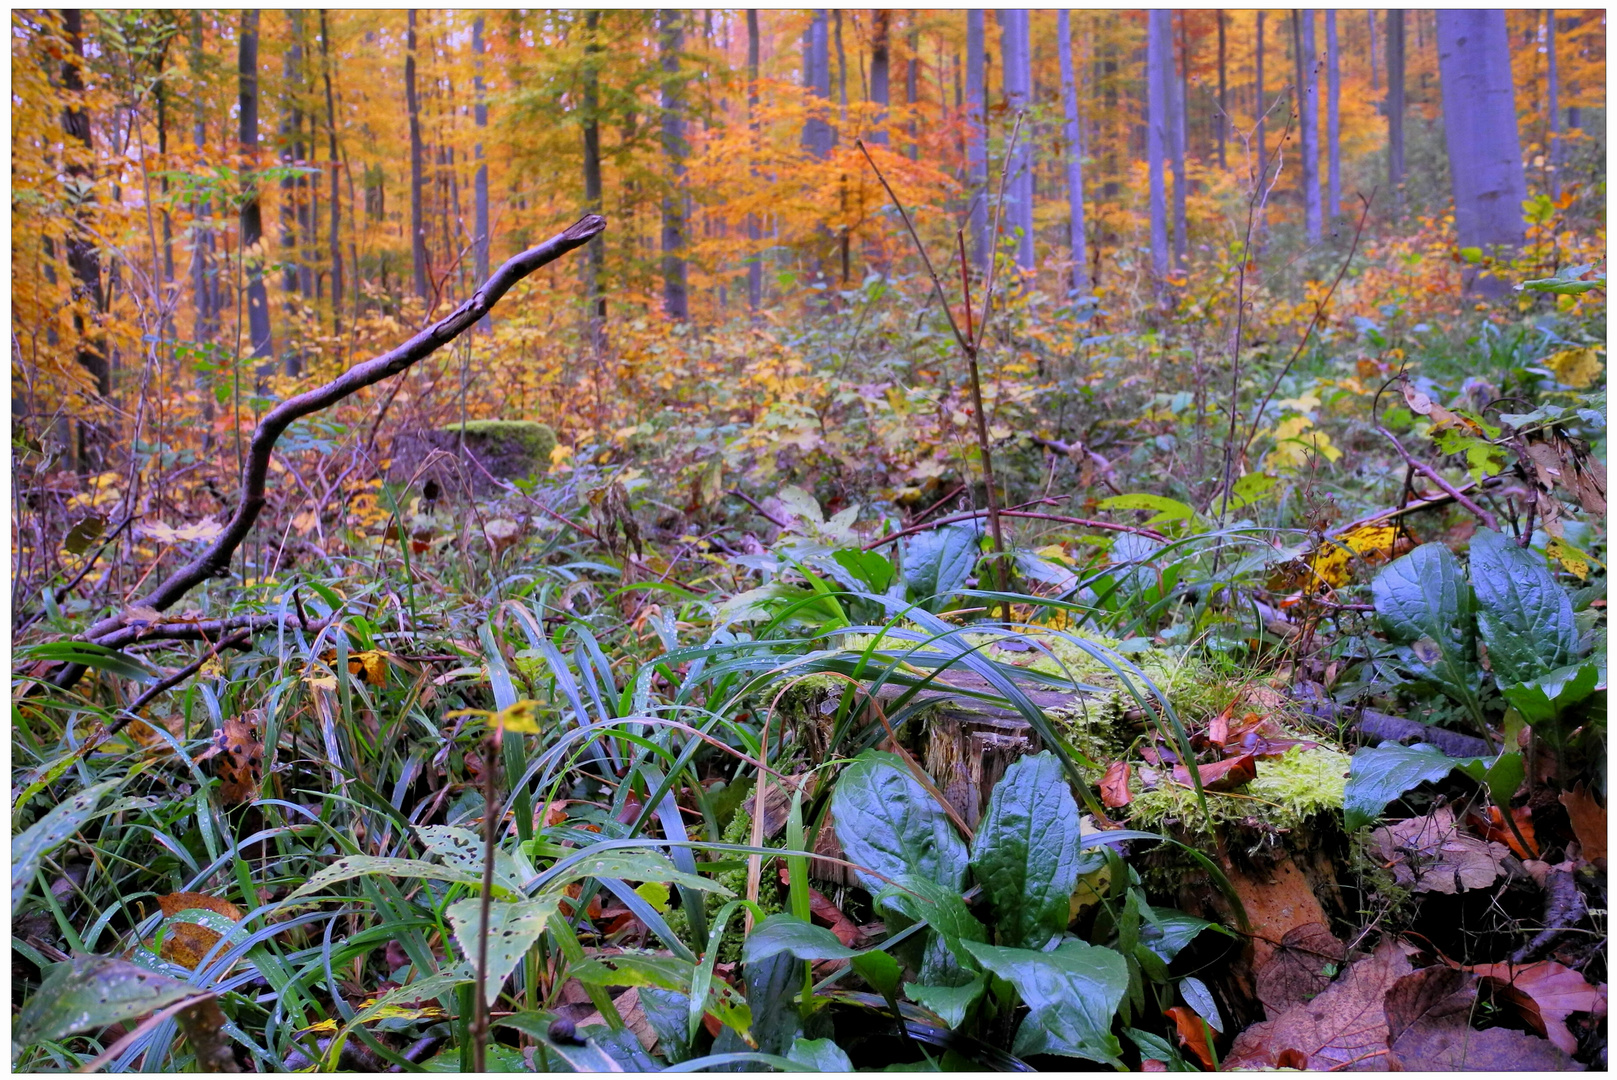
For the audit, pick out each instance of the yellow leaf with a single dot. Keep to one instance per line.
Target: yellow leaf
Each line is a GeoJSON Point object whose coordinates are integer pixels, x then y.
{"type": "Point", "coordinates": [1578, 368]}
{"type": "Point", "coordinates": [521, 717]}
{"type": "Point", "coordinates": [1570, 558]}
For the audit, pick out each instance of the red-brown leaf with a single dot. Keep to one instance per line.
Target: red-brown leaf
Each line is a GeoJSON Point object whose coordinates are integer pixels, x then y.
{"type": "Point", "coordinates": [1114, 786]}
{"type": "Point", "coordinates": [1192, 1033]}
{"type": "Point", "coordinates": [1226, 775]}
{"type": "Point", "coordinates": [1545, 994]}
{"type": "Point", "coordinates": [1588, 822]}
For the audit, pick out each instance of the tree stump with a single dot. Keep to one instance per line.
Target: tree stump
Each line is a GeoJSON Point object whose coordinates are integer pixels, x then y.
{"type": "Point", "coordinates": [506, 450]}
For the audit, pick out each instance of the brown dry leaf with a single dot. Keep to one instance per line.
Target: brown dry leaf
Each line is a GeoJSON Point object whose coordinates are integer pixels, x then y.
{"type": "Point", "coordinates": [151, 743]}
{"type": "Point", "coordinates": [1588, 822]}
{"type": "Point", "coordinates": [502, 533]}
{"type": "Point", "coordinates": [1429, 1028]}
{"type": "Point", "coordinates": [1218, 728]}
{"type": "Point", "coordinates": [1278, 899]}
{"type": "Point", "coordinates": [1302, 967]}
{"type": "Point", "coordinates": [1545, 994]}
{"type": "Point", "coordinates": [186, 943]}
{"type": "Point", "coordinates": [824, 911]}
{"type": "Point", "coordinates": [370, 665]}
{"type": "Point", "coordinates": [1226, 775]}
{"type": "Point", "coordinates": [1495, 829]}
{"type": "Point", "coordinates": [1192, 1032]}
{"type": "Point", "coordinates": [634, 1018]}
{"type": "Point", "coordinates": [239, 748]}
{"type": "Point", "coordinates": [174, 903]}
{"type": "Point", "coordinates": [1430, 854]}
{"type": "Point", "coordinates": [1114, 786]}
{"type": "Point", "coordinates": [1344, 1028]}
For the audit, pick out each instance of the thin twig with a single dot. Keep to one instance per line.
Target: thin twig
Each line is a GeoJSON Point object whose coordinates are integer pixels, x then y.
{"type": "Point", "coordinates": [765, 514]}
{"type": "Point", "coordinates": [1484, 516]}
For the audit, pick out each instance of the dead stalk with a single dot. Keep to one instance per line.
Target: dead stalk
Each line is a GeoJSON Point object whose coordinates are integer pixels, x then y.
{"type": "Point", "coordinates": [491, 819]}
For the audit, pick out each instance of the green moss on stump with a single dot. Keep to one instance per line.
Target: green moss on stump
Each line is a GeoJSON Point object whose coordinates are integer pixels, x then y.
{"type": "Point", "coordinates": [535, 438]}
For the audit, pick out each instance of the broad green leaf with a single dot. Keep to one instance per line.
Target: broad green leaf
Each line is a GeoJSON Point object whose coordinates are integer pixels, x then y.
{"type": "Point", "coordinates": [1250, 489]}
{"type": "Point", "coordinates": [87, 993]}
{"type": "Point", "coordinates": [1380, 774]}
{"type": "Point", "coordinates": [1198, 997]}
{"type": "Point", "coordinates": [589, 1058]}
{"type": "Point", "coordinates": [870, 568]}
{"type": "Point", "coordinates": [786, 933]}
{"type": "Point", "coordinates": [887, 823]}
{"type": "Point", "coordinates": [1423, 601]}
{"type": "Point", "coordinates": [1166, 931]}
{"type": "Point", "coordinates": [944, 961]}
{"type": "Point", "coordinates": [951, 1003]}
{"type": "Point", "coordinates": [463, 849]}
{"type": "Point", "coordinates": [1568, 281]}
{"type": "Point", "coordinates": [354, 866]}
{"type": "Point", "coordinates": [1025, 853]}
{"type": "Point", "coordinates": [1072, 995]}
{"type": "Point", "coordinates": [1482, 458]}
{"type": "Point", "coordinates": [802, 505]}
{"type": "Point", "coordinates": [938, 562]}
{"type": "Point", "coordinates": [1548, 696]}
{"type": "Point", "coordinates": [1502, 776]}
{"type": "Point", "coordinates": [634, 969]}
{"type": "Point", "coordinates": [49, 832]}
{"type": "Point", "coordinates": [512, 929]}
{"type": "Point", "coordinates": [1525, 618]}
{"type": "Point", "coordinates": [821, 1055]}
{"type": "Point", "coordinates": [880, 970]}
{"type": "Point", "coordinates": [1166, 509]}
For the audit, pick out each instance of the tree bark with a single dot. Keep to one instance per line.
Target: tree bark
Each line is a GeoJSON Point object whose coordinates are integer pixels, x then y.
{"type": "Point", "coordinates": [1222, 120]}
{"type": "Point", "coordinates": [1178, 143]}
{"type": "Point", "coordinates": [1553, 135]}
{"type": "Point", "coordinates": [1375, 74]}
{"type": "Point", "coordinates": [1308, 127]}
{"type": "Point", "coordinates": [291, 204]}
{"type": "Point", "coordinates": [842, 71]}
{"type": "Point", "coordinates": [880, 62]}
{"type": "Point", "coordinates": [1262, 107]}
{"type": "Point", "coordinates": [1333, 119]}
{"type": "Point", "coordinates": [755, 266]}
{"type": "Point", "coordinates": [671, 41]}
{"type": "Point", "coordinates": [1158, 59]}
{"type": "Point", "coordinates": [481, 238]}
{"type": "Point", "coordinates": [1395, 105]}
{"type": "Point", "coordinates": [1016, 59]}
{"type": "Point", "coordinates": [252, 221]}
{"type": "Point", "coordinates": [202, 273]}
{"type": "Point", "coordinates": [595, 252]}
{"type": "Point", "coordinates": [82, 259]}
{"type": "Point", "coordinates": [817, 80]}
{"type": "Point", "coordinates": [335, 218]}
{"type": "Point", "coordinates": [912, 83]}
{"type": "Point", "coordinates": [1479, 128]}
{"type": "Point", "coordinates": [1072, 134]}
{"type": "Point", "coordinates": [418, 228]}
{"type": "Point", "coordinates": [976, 139]}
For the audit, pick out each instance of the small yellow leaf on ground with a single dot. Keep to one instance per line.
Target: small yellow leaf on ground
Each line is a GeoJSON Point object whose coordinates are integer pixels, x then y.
{"type": "Point", "coordinates": [1578, 368]}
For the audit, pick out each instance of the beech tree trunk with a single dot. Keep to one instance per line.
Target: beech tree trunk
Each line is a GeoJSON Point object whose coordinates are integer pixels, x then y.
{"type": "Point", "coordinates": [203, 273]}
{"type": "Point", "coordinates": [252, 221]}
{"type": "Point", "coordinates": [481, 239]}
{"type": "Point", "coordinates": [1375, 74]}
{"type": "Point", "coordinates": [1159, 90]}
{"type": "Point", "coordinates": [880, 61]}
{"type": "Point", "coordinates": [1308, 127]}
{"type": "Point", "coordinates": [755, 267]}
{"type": "Point", "coordinates": [418, 234]}
{"type": "Point", "coordinates": [1220, 121]}
{"type": "Point", "coordinates": [1395, 105]}
{"type": "Point", "coordinates": [1262, 107]}
{"type": "Point", "coordinates": [291, 205]}
{"type": "Point", "coordinates": [842, 71]}
{"type": "Point", "coordinates": [976, 139]}
{"type": "Point", "coordinates": [817, 79]}
{"type": "Point", "coordinates": [1072, 135]}
{"type": "Point", "coordinates": [335, 219]}
{"type": "Point", "coordinates": [1016, 58]}
{"type": "Point", "coordinates": [671, 42]}
{"type": "Point", "coordinates": [1479, 127]}
{"type": "Point", "coordinates": [1333, 119]}
{"type": "Point", "coordinates": [1553, 136]}
{"type": "Point", "coordinates": [595, 252]}
{"type": "Point", "coordinates": [912, 83]}
{"type": "Point", "coordinates": [1177, 143]}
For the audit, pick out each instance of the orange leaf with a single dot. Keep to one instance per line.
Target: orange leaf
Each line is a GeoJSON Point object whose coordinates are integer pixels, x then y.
{"type": "Point", "coordinates": [1495, 829]}
{"type": "Point", "coordinates": [1192, 1033]}
{"type": "Point", "coordinates": [1114, 786]}
{"type": "Point", "coordinates": [1218, 729]}
{"type": "Point", "coordinates": [1226, 775]}
{"type": "Point", "coordinates": [1588, 822]}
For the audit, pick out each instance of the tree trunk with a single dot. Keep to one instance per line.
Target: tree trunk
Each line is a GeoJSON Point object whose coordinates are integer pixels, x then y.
{"type": "Point", "coordinates": [595, 253]}
{"type": "Point", "coordinates": [1158, 61]}
{"type": "Point", "coordinates": [1016, 58]}
{"type": "Point", "coordinates": [335, 220]}
{"type": "Point", "coordinates": [252, 221]}
{"type": "Point", "coordinates": [418, 228]}
{"type": "Point", "coordinates": [1375, 74]}
{"type": "Point", "coordinates": [842, 71]}
{"type": "Point", "coordinates": [817, 80]}
{"type": "Point", "coordinates": [671, 41]}
{"type": "Point", "coordinates": [1071, 133]}
{"type": "Point", "coordinates": [1395, 105]}
{"type": "Point", "coordinates": [202, 272]}
{"type": "Point", "coordinates": [912, 83]}
{"type": "Point", "coordinates": [481, 239]}
{"type": "Point", "coordinates": [755, 266]}
{"type": "Point", "coordinates": [976, 139]}
{"type": "Point", "coordinates": [1333, 119]}
{"type": "Point", "coordinates": [1262, 109]}
{"type": "Point", "coordinates": [1222, 120]}
{"type": "Point", "coordinates": [1553, 137]}
{"type": "Point", "coordinates": [880, 61]}
{"type": "Point", "coordinates": [81, 253]}
{"type": "Point", "coordinates": [1308, 127]}
{"type": "Point", "coordinates": [291, 205]}
{"type": "Point", "coordinates": [1479, 128]}
{"type": "Point", "coordinates": [1177, 144]}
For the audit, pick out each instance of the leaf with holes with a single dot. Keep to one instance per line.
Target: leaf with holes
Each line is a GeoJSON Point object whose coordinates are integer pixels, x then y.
{"type": "Point", "coordinates": [512, 929]}
{"type": "Point", "coordinates": [49, 832]}
{"type": "Point", "coordinates": [88, 993]}
{"type": "Point", "coordinates": [463, 850]}
{"type": "Point", "coordinates": [376, 865]}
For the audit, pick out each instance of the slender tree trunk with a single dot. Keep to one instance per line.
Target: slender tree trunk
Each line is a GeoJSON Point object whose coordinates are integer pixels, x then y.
{"type": "Point", "coordinates": [1177, 138]}
{"type": "Point", "coordinates": [1333, 118]}
{"type": "Point", "coordinates": [976, 138]}
{"type": "Point", "coordinates": [291, 208]}
{"type": "Point", "coordinates": [1158, 61]}
{"type": "Point", "coordinates": [595, 254]}
{"type": "Point", "coordinates": [252, 221]}
{"type": "Point", "coordinates": [1222, 120]}
{"type": "Point", "coordinates": [1553, 138]}
{"type": "Point", "coordinates": [418, 227]}
{"type": "Point", "coordinates": [880, 60]}
{"type": "Point", "coordinates": [1262, 106]}
{"type": "Point", "coordinates": [755, 266]}
{"type": "Point", "coordinates": [160, 96]}
{"type": "Point", "coordinates": [481, 238]}
{"type": "Point", "coordinates": [912, 83]}
{"type": "Point", "coordinates": [1395, 105]}
{"type": "Point", "coordinates": [202, 272]}
{"type": "Point", "coordinates": [842, 71]}
{"type": "Point", "coordinates": [88, 295]}
{"type": "Point", "coordinates": [817, 79]}
{"type": "Point", "coordinates": [1071, 133]}
{"type": "Point", "coordinates": [1016, 58]}
{"type": "Point", "coordinates": [1479, 127]}
{"type": "Point", "coordinates": [1308, 128]}
{"type": "Point", "coordinates": [671, 42]}
{"type": "Point", "coordinates": [1375, 74]}
{"type": "Point", "coordinates": [335, 219]}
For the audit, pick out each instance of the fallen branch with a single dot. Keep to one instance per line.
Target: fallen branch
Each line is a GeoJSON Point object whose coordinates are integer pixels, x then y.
{"type": "Point", "coordinates": [206, 630]}
{"type": "Point", "coordinates": [1484, 516]}
{"type": "Point", "coordinates": [215, 561]}
{"type": "Point", "coordinates": [1383, 516]}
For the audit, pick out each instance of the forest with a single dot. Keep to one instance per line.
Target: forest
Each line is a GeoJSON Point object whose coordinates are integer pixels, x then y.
{"type": "Point", "coordinates": [808, 540]}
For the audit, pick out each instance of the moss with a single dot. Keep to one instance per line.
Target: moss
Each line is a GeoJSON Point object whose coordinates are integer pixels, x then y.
{"type": "Point", "coordinates": [533, 437]}
{"type": "Point", "coordinates": [739, 831]}
{"type": "Point", "coordinates": [1303, 782]}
